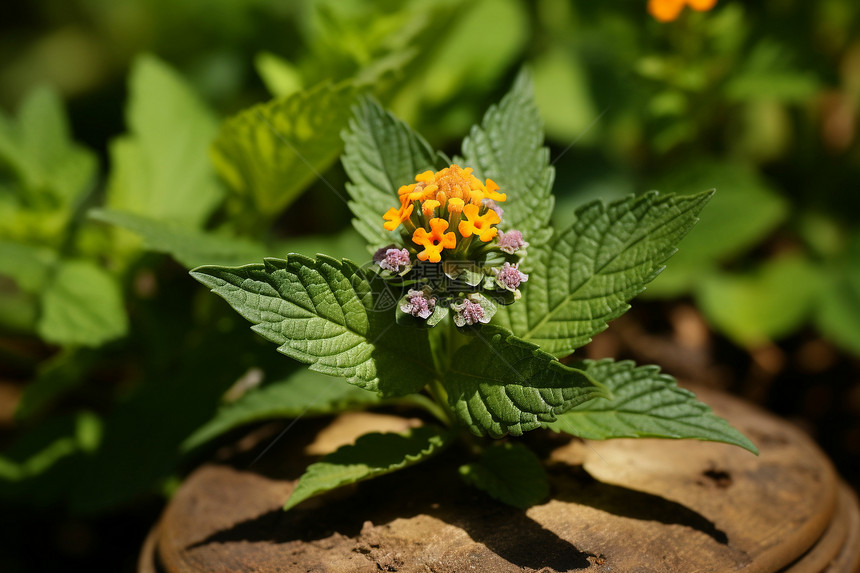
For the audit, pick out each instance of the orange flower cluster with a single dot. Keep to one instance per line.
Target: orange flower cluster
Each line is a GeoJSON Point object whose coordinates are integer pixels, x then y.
{"type": "Point", "coordinates": [668, 10]}
{"type": "Point", "coordinates": [448, 199]}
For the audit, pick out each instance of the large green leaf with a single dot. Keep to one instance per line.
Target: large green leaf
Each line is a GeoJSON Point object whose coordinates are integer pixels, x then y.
{"type": "Point", "coordinates": [191, 247]}
{"type": "Point", "coordinates": [382, 153]}
{"type": "Point", "coordinates": [161, 169]}
{"type": "Point", "coordinates": [303, 393]}
{"type": "Point", "coordinates": [508, 148]}
{"type": "Point", "coordinates": [372, 455]}
{"type": "Point", "coordinates": [328, 314]}
{"type": "Point", "coordinates": [500, 385]}
{"type": "Point", "coordinates": [645, 404]}
{"type": "Point", "coordinates": [590, 271]}
{"type": "Point", "coordinates": [271, 152]}
{"type": "Point", "coordinates": [510, 473]}
{"type": "Point", "coordinates": [82, 305]}
{"type": "Point", "coordinates": [53, 170]}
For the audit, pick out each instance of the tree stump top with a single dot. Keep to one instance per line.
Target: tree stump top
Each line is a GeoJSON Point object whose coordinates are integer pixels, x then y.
{"type": "Point", "coordinates": [618, 505]}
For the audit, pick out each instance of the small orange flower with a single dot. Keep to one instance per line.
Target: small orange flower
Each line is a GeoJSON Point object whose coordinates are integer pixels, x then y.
{"type": "Point", "coordinates": [480, 225]}
{"type": "Point", "coordinates": [668, 10]}
{"type": "Point", "coordinates": [434, 241]}
{"type": "Point", "coordinates": [394, 217]}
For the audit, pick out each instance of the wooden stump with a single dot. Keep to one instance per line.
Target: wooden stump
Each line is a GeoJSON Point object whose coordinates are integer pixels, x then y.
{"type": "Point", "coordinates": [618, 505]}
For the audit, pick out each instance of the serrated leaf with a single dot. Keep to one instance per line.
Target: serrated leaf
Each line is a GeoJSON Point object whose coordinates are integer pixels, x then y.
{"type": "Point", "coordinates": [510, 473]}
{"type": "Point", "coordinates": [757, 307]}
{"type": "Point", "coordinates": [161, 169]}
{"type": "Point", "coordinates": [189, 246]}
{"type": "Point", "coordinates": [508, 148]}
{"type": "Point", "coordinates": [82, 305]}
{"type": "Point", "coordinates": [303, 393]}
{"type": "Point", "coordinates": [498, 384]}
{"type": "Point", "coordinates": [271, 152]}
{"type": "Point", "coordinates": [381, 154]}
{"type": "Point", "coordinates": [327, 314]}
{"type": "Point", "coordinates": [645, 404]}
{"type": "Point", "coordinates": [589, 272]}
{"type": "Point", "coordinates": [372, 455]}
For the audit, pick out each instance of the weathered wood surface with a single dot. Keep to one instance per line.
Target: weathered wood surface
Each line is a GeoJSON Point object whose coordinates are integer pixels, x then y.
{"type": "Point", "coordinates": [621, 506]}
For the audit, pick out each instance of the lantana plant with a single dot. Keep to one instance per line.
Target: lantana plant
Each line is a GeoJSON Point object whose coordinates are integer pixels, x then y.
{"type": "Point", "coordinates": [468, 301]}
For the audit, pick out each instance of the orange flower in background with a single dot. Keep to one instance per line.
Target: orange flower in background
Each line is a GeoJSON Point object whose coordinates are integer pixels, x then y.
{"type": "Point", "coordinates": [668, 10]}
{"type": "Point", "coordinates": [434, 241]}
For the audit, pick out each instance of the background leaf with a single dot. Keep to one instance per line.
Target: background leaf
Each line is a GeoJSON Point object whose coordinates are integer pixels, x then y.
{"type": "Point", "coordinates": [161, 169]}
{"type": "Point", "coordinates": [381, 154]}
{"type": "Point", "coordinates": [303, 393]}
{"type": "Point", "coordinates": [644, 404]}
{"type": "Point", "coordinates": [508, 472]}
{"type": "Point", "coordinates": [270, 152]}
{"type": "Point", "coordinates": [327, 314]}
{"type": "Point", "coordinates": [744, 209]}
{"type": "Point", "coordinates": [768, 303]}
{"type": "Point", "coordinates": [500, 385]}
{"type": "Point", "coordinates": [82, 305]}
{"type": "Point", "coordinates": [590, 271]}
{"type": "Point", "coordinates": [372, 455]}
{"type": "Point", "coordinates": [508, 148]}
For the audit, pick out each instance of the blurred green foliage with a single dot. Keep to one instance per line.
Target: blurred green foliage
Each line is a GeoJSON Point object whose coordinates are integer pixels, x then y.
{"type": "Point", "coordinates": [118, 359]}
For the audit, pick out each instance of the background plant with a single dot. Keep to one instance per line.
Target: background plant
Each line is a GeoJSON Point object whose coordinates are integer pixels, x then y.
{"type": "Point", "coordinates": [757, 99]}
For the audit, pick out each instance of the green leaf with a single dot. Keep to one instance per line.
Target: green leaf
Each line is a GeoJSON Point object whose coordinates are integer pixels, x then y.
{"type": "Point", "coordinates": [271, 152]}
{"type": "Point", "coordinates": [27, 265]}
{"type": "Point", "coordinates": [372, 455]}
{"type": "Point", "coordinates": [190, 247]}
{"type": "Point", "coordinates": [381, 154]}
{"type": "Point", "coordinates": [303, 393]}
{"type": "Point", "coordinates": [330, 315]}
{"type": "Point", "coordinates": [510, 473]}
{"type": "Point", "coordinates": [838, 311]}
{"type": "Point", "coordinates": [645, 404]}
{"type": "Point", "coordinates": [498, 384]}
{"type": "Point", "coordinates": [55, 376]}
{"type": "Point", "coordinates": [39, 149]}
{"type": "Point", "coordinates": [82, 305]}
{"type": "Point", "coordinates": [161, 169]}
{"type": "Point", "coordinates": [508, 148]}
{"type": "Point", "coordinates": [590, 271]}
{"type": "Point", "coordinates": [280, 76]}
{"type": "Point", "coordinates": [772, 301]}
{"type": "Point", "coordinates": [743, 211]}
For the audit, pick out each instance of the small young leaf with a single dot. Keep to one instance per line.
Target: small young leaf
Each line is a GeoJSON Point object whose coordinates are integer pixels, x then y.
{"type": "Point", "coordinates": [372, 455]}
{"type": "Point", "coordinates": [27, 265]}
{"type": "Point", "coordinates": [328, 314]}
{"type": "Point", "coordinates": [508, 148]}
{"type": "Point", "coordinates": [82, 305]}
{"type": "Point", "coordinates": [161, 169]}
{"type": "Point", "coordinates": [303, 393]}
{"type": "Point", "coordinates": [645, 404]}
{"type": "Point", "coordinates": [382, 153]}
{"type": "Point", "coordinates": [189, 246]}
{"type": "Point", "coordinates": [590, 271]}
{"type": "Point", "coordinates": [270, 152]}
{"type": "Point", "coordinates": [510, 473]}
{"type": "Point", "coordinates": [499, 385]}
